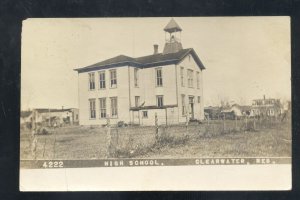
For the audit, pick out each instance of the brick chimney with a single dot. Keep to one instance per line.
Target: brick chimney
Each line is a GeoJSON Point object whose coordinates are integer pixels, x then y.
{"type": "Point", "coordinates": [155, 49]}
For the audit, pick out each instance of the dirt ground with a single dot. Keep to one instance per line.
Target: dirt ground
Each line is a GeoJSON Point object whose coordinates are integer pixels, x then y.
{"type": "Point", "coordinates": [79, 142]}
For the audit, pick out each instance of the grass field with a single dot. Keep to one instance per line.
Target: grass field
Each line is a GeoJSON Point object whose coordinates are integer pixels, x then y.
{"type": "Point", "coordinates": [270, 142]}
{"type": "Point", "coordinates": [79, 142]}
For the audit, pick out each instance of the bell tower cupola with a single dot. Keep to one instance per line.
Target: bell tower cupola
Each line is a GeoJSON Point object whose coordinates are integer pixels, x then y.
{"type": "Point", "coordinates": [172, 37]}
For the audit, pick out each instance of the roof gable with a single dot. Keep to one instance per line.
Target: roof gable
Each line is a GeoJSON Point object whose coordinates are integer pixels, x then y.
{"type": "Point", "coordinates": [195, 57]}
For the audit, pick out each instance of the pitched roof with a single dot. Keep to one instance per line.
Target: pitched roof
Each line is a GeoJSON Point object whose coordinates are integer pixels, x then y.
{"type": "Point", "coordinates": [144, 61]}
{"type": "Point", "coordinates": [242, 107]}
{"type": "Point", "coordinates": [121, 59]}
{"type": "Point", "coordinates": [46, 110]}
{"type": "Point", "coordinates": [245, 108]}
{"type": "Point", "coordinates": [212, 108]}
{"type": "Point", "coordinates": [160, 57]}
{"type": "Point", "coordinates": [172, 26]}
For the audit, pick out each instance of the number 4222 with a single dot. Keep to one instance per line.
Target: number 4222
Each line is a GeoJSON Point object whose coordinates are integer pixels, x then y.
{"type": "Point", "coordinates": [53, 164]}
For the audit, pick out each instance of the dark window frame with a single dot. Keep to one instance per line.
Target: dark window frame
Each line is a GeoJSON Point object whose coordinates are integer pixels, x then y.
{"type": "Point", "coordinates": [145, 114]}
{"type": "Point", "coordinates": [160, 101]}
{"type": "Point", "coordinates": [92, 108]}
{"type": "Point", "coordinates": [158, 77]}
{"type": "Point", "coordinates": [102, 108]}
{"type": "Point", "coordinates": [91, 81]}
{"type": "Point", "coordinates": [102, 80]}
{"type": "Point", "coordinates": [114, 107]}
{"type": "Point", "coordinates": [113, 78]}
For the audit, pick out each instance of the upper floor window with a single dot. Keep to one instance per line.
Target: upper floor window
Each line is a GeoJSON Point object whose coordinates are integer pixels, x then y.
{"type": "Point", "coordinates": [159, 79]}
{"type": "Point", "coordinates": [114, 106]}
{"type": "Point", "coordinates": [91, 81]}
{"type": "Point", "coordinates": [190, 74]}
{"type": "Point", "coordinates": [136, 77]}
{"type": "Point", "coordinates": [182, 76]}
{"type": "Point", "coordinates": [102, 84]}
{"type": "Point", "coordinates": [137, 101]}
{"type": "Point", "coordinates": [113, 78]}
{"type": "Point", "coordinates": [102, 103]}
{"type": "Point", "coordinates": [199, 99]}
{"type": "Point", "coordinates": [198, 80]}
{"type": "Point", "coordinates": [92, 108]}
{"type": "Point", "coordinates": [160, 100]}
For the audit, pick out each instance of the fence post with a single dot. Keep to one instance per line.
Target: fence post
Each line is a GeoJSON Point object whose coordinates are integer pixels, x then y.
{"type": "Point", "coordinates": [33, 137]}
{"type": "Point", "coordinates": [272, 121]}
{"type": "Point", "coordinates": [224, 118]}
{"type": "Point", "coordinates": [235, 123]}
{"type": "Point", "coordinates": [246, 123]}
{"type": "Point", "coordinates": [34, 146]}
{"type": "Point", "coordinates": [260, 121]}
{"type": "Point", "coordinates": [186, 125]}
{"type": "Point", "coordinates": [254, 123]}
{"type": "Point", "coordinates": [166, 116]}
{"type": "Point", "coordinates": [54, 145]}
{"type": "Point", "coordinates": [208, 120]}
{"type": "Point", "coordinates": [44, 148]}
{"type": "Point", "coordinates": [117, 136]}
{"type": "Point", "coordinates": [156, 128]}
{"type": "Point", "coordinates": [108, 137]}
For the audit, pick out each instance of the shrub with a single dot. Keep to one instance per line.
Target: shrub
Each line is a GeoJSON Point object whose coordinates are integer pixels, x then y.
{"type": "Point", "coordinates": [121, 124]}
{"type": "Point", "coordinates": [166, 139]}
{"type": "Point", "coordinates": [43, 130]}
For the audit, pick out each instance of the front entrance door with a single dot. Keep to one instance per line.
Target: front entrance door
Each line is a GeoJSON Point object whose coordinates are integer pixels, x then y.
{"type": "Point", "coordinates": [191, 107]}
{"type": "Point", "coordinates": [136, 117]}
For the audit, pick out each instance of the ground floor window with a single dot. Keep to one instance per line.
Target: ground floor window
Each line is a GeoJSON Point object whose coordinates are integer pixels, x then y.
{"type": "Point", "coordinates": [114, 106]}
{"type": "Point", "coordinates": [145, 114]}
{"type": "Point", "coordinates": [102, 103]}
{"type": "Point", "coordinates": [183, 104]}
{"type": "Point", "coordinates": [191, 99]}
{"type": "Point", "coordinates": [92, 108]}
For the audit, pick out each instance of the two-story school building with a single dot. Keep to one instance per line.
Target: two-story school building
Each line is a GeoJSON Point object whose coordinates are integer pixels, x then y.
{"type": "Point", "coordinates": [134, 90]}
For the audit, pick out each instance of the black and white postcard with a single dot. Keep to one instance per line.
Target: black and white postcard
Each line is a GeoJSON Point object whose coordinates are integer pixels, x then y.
{"type": "Point", "coordinates": [165, 103]}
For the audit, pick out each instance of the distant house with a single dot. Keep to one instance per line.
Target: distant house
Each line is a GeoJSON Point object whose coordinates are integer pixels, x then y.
{"type": "Point", "coordinates": [266, 107]}
{"type": "Point", "coordinates": [50, 117]}
{"type": "Point", "coordinates": [25, 118]}
{"type": "Point", "coordinates": [212, 112]}
{"type": "Point", "coordinates": [236, 111]}
{"type": "Point", "coordinates": [286, 106]}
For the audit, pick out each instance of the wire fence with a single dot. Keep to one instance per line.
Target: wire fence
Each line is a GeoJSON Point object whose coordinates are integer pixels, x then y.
{"type": "Point", "coordinates": [115, 141]}
{"type": "Point", "coordinates": [135, 141]}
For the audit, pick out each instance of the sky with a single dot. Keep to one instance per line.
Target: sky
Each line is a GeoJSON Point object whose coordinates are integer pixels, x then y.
{"type": "Point", "coordinates": [245, 57]}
